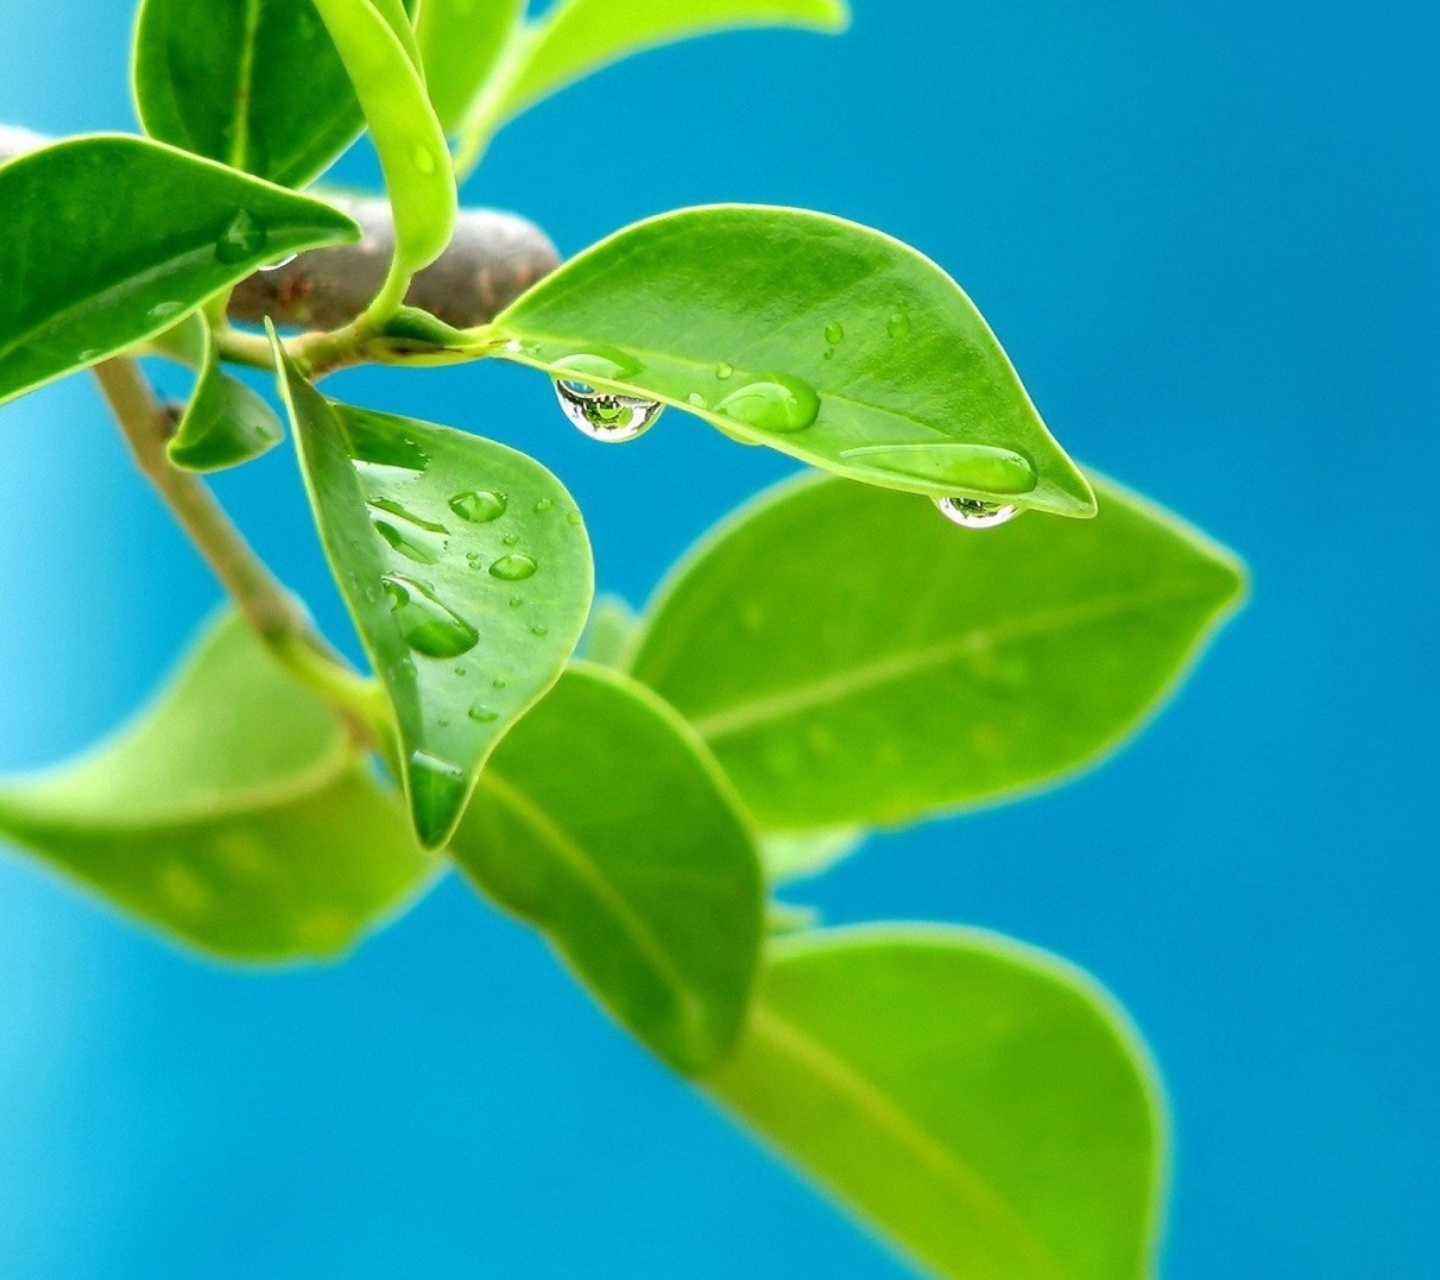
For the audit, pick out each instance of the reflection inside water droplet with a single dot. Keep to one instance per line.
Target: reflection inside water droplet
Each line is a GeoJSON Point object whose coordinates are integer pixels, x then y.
{"type": "Point", "coordinates": [427, 625]}
{"type": "Point", "coordinates": [775, 403]}
{"type": "Point", "coordinates": [605, 415]}
{"type": "Point", "coordinates": [974, 513]}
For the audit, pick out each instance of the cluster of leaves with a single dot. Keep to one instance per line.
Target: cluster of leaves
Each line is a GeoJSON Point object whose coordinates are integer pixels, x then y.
{"type": "Point", "coordinates": [834, 660]}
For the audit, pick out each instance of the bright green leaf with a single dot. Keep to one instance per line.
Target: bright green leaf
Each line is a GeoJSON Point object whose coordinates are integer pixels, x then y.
{"type": "Point", "coordinates": [612, 628]}
{"type": "Point", "coordinates": [256, 84]}
{"type": "Point", "coordinates": [984, 1106]}
{"type": "Point", "coordinates": [852, 657]}
{"type": "Point", "coordinates": [233, 814]}
{"type": "Point", "coordinates": [225, 422]}
{"type": "Point", "coordinates": [820, 338]}
{"type": "Point", "coordinates": [408, 138]}
{"type": "Point", "coordinates": [797, 855]}
{"type": "Point", "coordinates": [110, 240]}
{"type": "Point", "coordinates": [460, 43]}
{"type": "Point", "coordinates": [467, 570]}
{"type": "Point", "coordinates": [602, 820]}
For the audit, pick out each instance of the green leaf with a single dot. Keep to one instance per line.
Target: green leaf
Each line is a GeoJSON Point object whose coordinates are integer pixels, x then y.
{"type": "Point", "coordinates": [256, 84]}
{"type": "Point", "coordinates": [820, 338]}
{"type": "Point", "coordinates": [797, 855]}
{"type": "Point", "coordinates": [225, 422]}
{"type": "Point", "coordinates": [383, 67]}
{"type": "Point", "coordinates": [233, 814]}
{"type": "Point", "coordinates": [604, 821]}
{"type": "Point", "coordinates": [609, 633]}
{"type": "Point", "coordinates": [851, 657]}
{"type": "Point", "coordinates": [110, 240]}
{"type": "Point", "coordinates": [467, 570]}
{"type": "Point", "coordinates": [460, 44]}
{"type": "Point", "coordinates": [578, 37]}
{"type": "Point", "coordinates": [984, 1106]}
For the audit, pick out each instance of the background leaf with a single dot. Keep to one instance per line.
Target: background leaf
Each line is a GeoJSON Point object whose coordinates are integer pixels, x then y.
{"type": "Point", "coordinates": [984, 1106]}
{"type": "Point", "coordinates": [797, 855]}
{"type": "Point", "coordinates": [110, 240]}
{"type": "Point", "coordinates": [225, 422]}
{"type": "Point", "coordinates": [602, 820]}
{"type": "Point", "coordinates": [234, 814]}
{"type": "Point", "coordinates": [820, 338]}
{"type": "Point", "coordinates": [851, 657]}
{"type": "Point", "coordinates": [467, 570]}
{"type": "Point", "coordinates": [460, 43]}
{"type": "Point", "coordinates": [256, 84]}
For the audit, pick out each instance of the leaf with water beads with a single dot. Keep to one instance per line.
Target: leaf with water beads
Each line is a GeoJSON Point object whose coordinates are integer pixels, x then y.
{"type": "Point", "coordinates": [467, 570]}
{"type": "Point", "coordinates": [825, 340]}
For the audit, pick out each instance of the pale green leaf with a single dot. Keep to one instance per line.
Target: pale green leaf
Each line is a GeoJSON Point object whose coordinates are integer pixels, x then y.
{"type": "Point", "coordinates": [225, 423]}
{"type": "Point", "coordinates": [602, 820]}
{"type": "Point", "coordinates": [460, 43]}
{"type": "Point", "coordinates": [798, 855]}
{"type": "Point", "coordinates": [983, 1106]}
{"type": "Point", "coordinates": [610, 632]}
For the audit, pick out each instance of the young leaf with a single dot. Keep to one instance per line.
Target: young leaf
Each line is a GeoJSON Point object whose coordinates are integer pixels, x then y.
{"type": "Point", "coordinates": [383, 66]}
{"type": "Point", "coordinates": [853, 658]}
{"type": "Point", "coordinates": [982, 1105]}
{"type": "Point", "coordinates": [110, 240]}
{"type": "Point", "coordinates": [256, 84]}
{"type": "Point", "coordinates": [467, 570]}
{"type": "Point", "coordinates": [225, 422]}
{"type": "Point", "coordinates": [603, 821]}
{"type": "Point", "coordinates": [815, 336]}
{"type": "Point", "coordinates": [233, 814]}
{"type": "Point", "coordinates": [797, 855]}
{"type": "Point", "coordinates": [460, 43]}
{"type": "Point", "coordinates": [578, 37]}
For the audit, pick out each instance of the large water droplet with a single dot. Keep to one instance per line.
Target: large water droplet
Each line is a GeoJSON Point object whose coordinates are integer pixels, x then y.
{"type": "Point", "coordinates": [898, 326]}
{"type": "Point", "coordinates": [244, 236]}
{"type": "Point", "coordinates": [605, 415]}
{"type": "Point", "coordinates": [479, 506]}
{"type": "Point", "coordinates": [985, 467]}
{"type": "Point", "coordinates": [427, 625]}
{"type": "Point", "coordinates": [834, 334]}
{"type": "Point", "coordinates": [515, 567]}
{"type": "Point", "coordinates": [973, 513]}
{"type": "Point", "coordinates": [774, 403]}
{"type": "Point", "coordinates": [419, 540]}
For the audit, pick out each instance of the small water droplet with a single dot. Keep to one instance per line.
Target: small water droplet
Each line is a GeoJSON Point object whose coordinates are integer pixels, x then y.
{"type": "Point", "coordinates": [511, 539]}
{"type": "Point", "coordinates": [572, 517]}
{"type": "Point", "coordinates": [516, 601]}
{"type": "Point", "coordinates": [973, 513]}
{"type": "Point", "coordinates": [724, 371]}
{"type": "Point", "coordinates": [538, 630]}
{"type": "Point", "coordinates": [244, 236]}
{"type": "Point", "coordinates": [774, 403]}
{"type": "Point", "coordinates": [280, 263]}
{"type": "Point", "coordinates": [479, 506]}
{"type": "Point", "coordinates": [499, 682]}
{"type": "Point", "coordinates": [834, 333]}
{"type": "Point", "coordinates": [696, 401]}
{"type": "Point", "coordinates": [898, 326]}
{"type": "Point", "coordinates": [515, 567]}
{"type": "Point", "coordinates": [606, 416]}
{"type": "Point", "coordinates": [416, 539]}
{"type": "Point", "coordinates": [164, 310]}
{"type": "Point", "coordinates": [89, 354]}
{"type": "Point", "coordinates": [424, 159]}
{"type": "Point", "coordinates": [544, 505]}
{"type": "Point", "coordinates": [427, 625]}
{"type": "Point", "coordinates": [482, 714]}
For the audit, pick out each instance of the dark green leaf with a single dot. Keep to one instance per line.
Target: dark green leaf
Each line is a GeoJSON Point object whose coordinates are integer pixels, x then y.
{"type": "Point", "coordinates": [110, 240]}
{"type": "Point", "coordinates": [984, 1106]}
{"type": "Point", "coordinates": [851, 657]}
{"type": "Point", "coordinates": [234, 814]}
{"type": "Point", "coordinates": [225, 422]}
{"type": "Point", "coordinates": [466, 567]}
{"type": "Point", "coordinates": [817, 337]}
{"type": "Point", "coordinates": [602, 820]}
{"type": "Point", "coordinates": [460, 42]}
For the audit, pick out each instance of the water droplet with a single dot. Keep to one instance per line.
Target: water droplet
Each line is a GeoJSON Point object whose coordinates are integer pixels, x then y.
{"type": "Point", "coordinates": [437, 794]}
{"type": "Point", "coordinates": [164, 310]}
{"type": "Point", "coordinates": [280, 263]}
{"type": "Point", "coordinates": [511, 539]}
{"type": "Point", "coordinates": [898, 326]}
{"type": "Point", "coordinates": [516, 601]}
{"type": "Point", "coordinates": [774, 403]}
{"type": "Point", "coordinates": [696, 401]}
{"type": "Point", "coordinates": [544, 505]}
{"type": "Point", "coordinates": [499, 682]}
{"type": "Point", "coordinates": [419, 540]}
{"type": "Point", "coordinates": [89, 354]}
{"type": "Point", "coordinates": [460, 671]}
{"type": "Point", "coordinates": [244, 236]}
{"type": "Point", "coordinates": [834, 334]}
{"type": "Point", "coordinates": [973, 513]}
{"type": "Point", "coordinates": [724, 371]}
{"type": "Point", "coordinates": [572, 517]}
{"type": "Point", "coordinates": [538, 630]}
{"type": "Point", "coordinates": [479, 506]}
{"type": "Point", "coordinates": [988, 468]}
{"type": "Point", "coordinates": [605, 415]}
{"type": "Point", "coordinates": [604, 363]}
{"type": "Point", "coordinates": [427, 625]}
{"type": "Point", "coordinates": [513, 568]}
{"type": "Point", "coordinates": [482, 714]}
{"type": "Point", "coordinates": [424, 159]}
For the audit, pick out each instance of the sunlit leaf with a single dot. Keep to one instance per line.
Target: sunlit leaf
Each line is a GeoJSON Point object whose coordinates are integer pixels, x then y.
{"type": "Point", "coordinates": [460, 43]}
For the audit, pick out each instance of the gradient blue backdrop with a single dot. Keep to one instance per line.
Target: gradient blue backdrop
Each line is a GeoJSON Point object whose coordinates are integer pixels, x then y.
{"type": "Point", "coordinates": [1207, 234]}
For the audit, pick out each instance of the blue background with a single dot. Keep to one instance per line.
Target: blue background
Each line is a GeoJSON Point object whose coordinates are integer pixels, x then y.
{"type": "Point", "coordinates": [1206, 233]}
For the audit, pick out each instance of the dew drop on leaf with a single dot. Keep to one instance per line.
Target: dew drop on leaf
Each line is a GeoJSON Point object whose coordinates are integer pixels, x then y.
{"type": "Point", "coordinates": [724, 371]}
{"type": "Point", "coordinates": [775, 403]}
{"type": "Point", "coordinates": [515, 567]}
{"type": "Point", "coordinates": [604, 415]}
{"type": "Point", "coordinates": [898, 326]}
{"type": "Point", "coordinates": [482, 714]}
{"type": "Point", "coordinates": [974, 513]}
{"type": "Point", "coordinates": [424, 159]}
{"type": "Point", "coordinates": [544, 505]}
{"type": "Point", "coordinates": [479, 506]}
{"type": "Point", "coordinates": [834, 334]}
{"type": "Point", "coordinates": [244, 236]}
{"type": "Point", "coordinates": [427, 625]}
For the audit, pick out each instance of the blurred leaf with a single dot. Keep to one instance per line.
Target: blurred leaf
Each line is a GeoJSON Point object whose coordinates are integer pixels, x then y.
{"type": "Point", "coordinates": [796, 855]}
{"type": "Point", "coordinates": [383, 66]}
{"type": "Point", "coordinates": [820, 338]}
{"type": "Point", "coordinates": [256, 84]}
{"type": "Point", "coordinates": [611, 630]}
{"type": "Point", "coordinates": [984, 1106]}
{"type": "Point", "coordinates": [460, 42]}
{"type": "Point", "coordinates": [225, 422]}
{"type": "Point", "coordinates": [603, 821]}
{"type": "Point", "coordinates": [467, 570]}
{"type": "Point", "coordinates": [233, 814]}
{"type": "Point", "coordinates": [110, 240]}
{"type": "Point", "coordinates": [852, 658]}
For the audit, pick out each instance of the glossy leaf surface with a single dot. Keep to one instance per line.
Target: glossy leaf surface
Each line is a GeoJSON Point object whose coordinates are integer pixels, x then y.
{"type": "Point", "coordinates": [460, 43]}
{"type": "Point", "coordinates": [580, 36]}
{"type": "Point", "coordinates": [602, 820]}
{"type": "Point", "coordinates": [383, 67]}
{"type": "Point", "coordinates": [982, 1105]}
{"type": "Point", "coordinates": [256, 84]}
{"type": "Point", "coordinates": [233, 814]}
{"type": "Point", "coordinates": [820, 338]}
{"type": "Point", "coordinates": [853, 658]}
{"type": "Point", "coordinates": [467, 570]}
{"type": "Point", "coordinates": [110, 240]}
{"type": "Point", "coordinates": [225, 422]}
